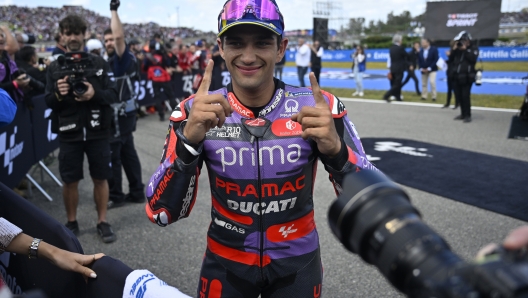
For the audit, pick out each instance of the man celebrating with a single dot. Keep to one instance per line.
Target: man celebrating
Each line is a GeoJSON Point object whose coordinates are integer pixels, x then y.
{"type": "Point", "coordinates": [260, 140]}
{"type": "Point", "coordinates": [125, 70]}
{"type": "Point", "coordinates": [84, 124]}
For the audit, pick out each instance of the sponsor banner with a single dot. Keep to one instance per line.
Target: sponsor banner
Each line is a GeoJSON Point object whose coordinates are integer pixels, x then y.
{"type": "Point", "coordinates": [381, 55]}
{"type": "Point", "coordinates": [44, 140]}
{"type": "Point", "coordinates": [22, 274]}
{"type": "Point", "coordinates": [17, 153]}
{"type": "Point", "coordinates": [445, 19]}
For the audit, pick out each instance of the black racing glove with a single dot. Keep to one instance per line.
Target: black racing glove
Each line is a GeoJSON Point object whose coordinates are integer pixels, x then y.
{"type": "Point", "coordinates": [114, 4]}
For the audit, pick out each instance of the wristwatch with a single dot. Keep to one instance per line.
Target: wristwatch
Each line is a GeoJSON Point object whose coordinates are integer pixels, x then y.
{"type": "Point", "coordinates": [33, 248]}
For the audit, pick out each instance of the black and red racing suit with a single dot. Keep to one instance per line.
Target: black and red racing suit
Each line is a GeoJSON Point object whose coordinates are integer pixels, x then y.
{"type": "Point", "coordinates": [261, 174]}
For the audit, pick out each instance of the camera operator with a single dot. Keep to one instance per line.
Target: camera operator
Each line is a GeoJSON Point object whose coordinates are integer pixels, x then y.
{"type": "Point", "coordinates": [464, 59]}
{"type": "Point", "coordinates": [125, 70]}
{"type": "Point", "coordinates": [11, 80]}
{"type": "Point", "coordinates": [84, 120]}
{"type": "Point", "coordinates": [27, 63]}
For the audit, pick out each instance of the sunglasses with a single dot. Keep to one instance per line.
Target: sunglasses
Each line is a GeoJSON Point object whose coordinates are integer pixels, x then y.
{"type": "Point", "coordinates": [264, 10]}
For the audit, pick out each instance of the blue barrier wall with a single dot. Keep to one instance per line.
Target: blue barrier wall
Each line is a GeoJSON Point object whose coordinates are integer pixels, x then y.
{"type": "Point", "coordinates": [381, 55]}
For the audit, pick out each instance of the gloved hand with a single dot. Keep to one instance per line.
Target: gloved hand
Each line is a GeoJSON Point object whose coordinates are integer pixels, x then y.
{"type": "Point", "coordinates": [114, 4]}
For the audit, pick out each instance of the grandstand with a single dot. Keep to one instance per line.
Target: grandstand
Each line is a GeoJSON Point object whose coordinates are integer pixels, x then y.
{"type": "Point", "coordinates": [23, 19]}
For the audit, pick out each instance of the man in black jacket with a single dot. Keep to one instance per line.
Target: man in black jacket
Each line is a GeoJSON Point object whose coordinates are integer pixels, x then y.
{"type": "Point", "coordinates": [464, 59]}
{"type": "Point", "coordinates": [26, 64]}
{"type": "Point", "coordinates": [315, 59]}
{"type": "Point", "coordinates": [84, 122]}
{"type": "Point", "coordinates": [413, 62]}
{"type": "Point", "coordinates": [398, 64]}
{"type": "Point", "coordinates": [125, 71]}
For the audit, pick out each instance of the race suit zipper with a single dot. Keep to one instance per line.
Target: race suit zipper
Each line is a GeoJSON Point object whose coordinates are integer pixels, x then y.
{"type": "Point", "coordinates": [261, 215]}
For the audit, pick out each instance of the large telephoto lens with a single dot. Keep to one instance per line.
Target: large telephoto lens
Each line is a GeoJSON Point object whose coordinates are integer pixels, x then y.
{"type": "Point", "coordinates": [373, 217]}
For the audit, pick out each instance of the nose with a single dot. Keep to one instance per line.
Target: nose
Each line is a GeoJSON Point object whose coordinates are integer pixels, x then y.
{"type": "Point", "coordinates": [248, 56]}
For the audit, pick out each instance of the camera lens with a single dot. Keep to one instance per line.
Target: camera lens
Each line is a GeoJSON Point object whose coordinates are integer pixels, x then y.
{"type": "Point", "coordinates": [79, 87]}
{"type": "Point", "coordinates": [374, 218]}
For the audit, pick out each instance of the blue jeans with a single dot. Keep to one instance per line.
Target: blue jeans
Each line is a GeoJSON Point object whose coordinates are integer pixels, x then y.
{"type": "Point", "coordinates": [301, 72]}
{"type": "Point", "coordinates": [358, 77]}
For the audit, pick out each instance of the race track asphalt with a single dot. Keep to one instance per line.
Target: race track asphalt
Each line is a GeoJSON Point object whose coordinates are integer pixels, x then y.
{"type": "Point", "coordinates": [174, 253]}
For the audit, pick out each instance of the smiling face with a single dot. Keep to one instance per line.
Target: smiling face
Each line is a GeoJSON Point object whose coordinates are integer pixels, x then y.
{"type": "Point", "coordinates": [250, 53]}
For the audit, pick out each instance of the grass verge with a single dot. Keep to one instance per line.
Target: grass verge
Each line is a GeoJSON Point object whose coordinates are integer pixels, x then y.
{"type": "Point", "coordinates": [480, 100]}
{"type": "Point", "coordinates": [488, 66]}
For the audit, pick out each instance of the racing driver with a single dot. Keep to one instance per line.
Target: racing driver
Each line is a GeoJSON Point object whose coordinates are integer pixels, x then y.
{"type": "Point", "coordinates": [260, 140]}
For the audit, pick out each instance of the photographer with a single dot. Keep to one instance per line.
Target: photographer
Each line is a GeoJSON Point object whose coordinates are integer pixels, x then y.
{"type": "Point", "coordinates": [84, 120]}
{"type": "Point", "coordinates": [125, 70]}
{"type": "Point", "coordinates": [464, 59]}
{"type": "Point", "coordinates": [11, 80]}
{"type": "Point", "coordinates": [27, 59]}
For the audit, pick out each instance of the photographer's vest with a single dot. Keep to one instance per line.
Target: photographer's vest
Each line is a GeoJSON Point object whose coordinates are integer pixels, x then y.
{"type": "Point", "coordinates": [127, 105]}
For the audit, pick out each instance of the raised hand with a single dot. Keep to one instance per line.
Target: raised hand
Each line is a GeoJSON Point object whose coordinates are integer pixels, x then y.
{"type": "Point", "coordinates": [114, 4]}
{"type": "Point", "coordinates": [318, 124]}
{"type": "Point", "coordinates": [207, 111]}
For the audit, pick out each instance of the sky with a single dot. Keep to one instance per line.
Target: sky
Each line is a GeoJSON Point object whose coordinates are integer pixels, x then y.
{"type": "Point", "coordinates": [202, 14]}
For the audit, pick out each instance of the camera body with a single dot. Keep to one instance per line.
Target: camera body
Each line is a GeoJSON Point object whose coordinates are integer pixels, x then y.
{"type": "Point", "coordinates": [373, 217]}
{"type": "Point", "coordinates": [33, 83]}
{"type": "Point", "coordinates": [77, 66]}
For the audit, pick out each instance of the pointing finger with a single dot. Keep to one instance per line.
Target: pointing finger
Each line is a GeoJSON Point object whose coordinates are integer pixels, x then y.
{"type": "Point", "coordinates": [206, 80]}
{"type": "Point", "coordinates": [318, 96]}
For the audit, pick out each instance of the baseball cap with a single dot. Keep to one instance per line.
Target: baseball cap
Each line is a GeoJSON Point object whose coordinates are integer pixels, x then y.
{"type": "Point", "coordinates": [463, 35]}
{"type": "Point", "coordinates": [93, 44]}
{"type": "Point", "coordinates": [199, 43]}
{"type": "Point", "coordinates": [264, 13]}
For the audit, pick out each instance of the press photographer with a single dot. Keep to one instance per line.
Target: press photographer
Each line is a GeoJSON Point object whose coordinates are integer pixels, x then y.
{"type": "Point", "coordinates": [464, 57]}
{"type": "Point", "coordinates": [80, 92]}
{"type": "Point", "coordinates": [125, 70]}
{"type": "Point", "coordinates": [27, 63]}
{"type": "Point", "coordinates": [373, 217]}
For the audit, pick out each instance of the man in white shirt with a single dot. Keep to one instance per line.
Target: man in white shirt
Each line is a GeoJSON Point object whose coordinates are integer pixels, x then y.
{"type": "Point", "coordinates": [302, 60]}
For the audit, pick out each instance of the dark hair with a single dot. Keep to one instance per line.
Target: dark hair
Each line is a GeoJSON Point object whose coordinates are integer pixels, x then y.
{"type": "Point", "coordinates": [107, 31]}
{"type": "Point", "coordinates": [361, 49]}
{"type": "Point", "coordinates": [57, 37]}
{"type": "Point", "coordinates": [26, 53]}
{"type": "Point", "coordinates": [73, 24]}
{"type": "Point", "coordinates": [157, 35]}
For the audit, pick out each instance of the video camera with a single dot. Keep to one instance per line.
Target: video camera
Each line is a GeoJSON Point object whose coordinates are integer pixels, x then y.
{"type": "Point", "coordinates": [77, 66]}
{"type": "Point", "coordinates": [462, 37]}
{"type": "Point", "coordinates": [373, 217]}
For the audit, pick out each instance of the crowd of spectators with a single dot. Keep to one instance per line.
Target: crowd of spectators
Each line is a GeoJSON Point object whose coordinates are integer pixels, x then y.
{"type": "Point", "coordinates": [515, 17]}
{"type": "Point", "coordinates": [23, 19]}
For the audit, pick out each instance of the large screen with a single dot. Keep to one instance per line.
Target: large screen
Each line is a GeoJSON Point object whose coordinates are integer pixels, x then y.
{"type": "Point", "coordinates": [444, 20]}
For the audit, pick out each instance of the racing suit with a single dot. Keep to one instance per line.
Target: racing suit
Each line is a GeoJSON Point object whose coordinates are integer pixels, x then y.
{"type": "Point", "coordinates": [262, 239]}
